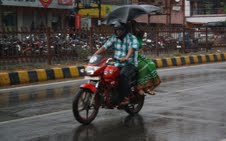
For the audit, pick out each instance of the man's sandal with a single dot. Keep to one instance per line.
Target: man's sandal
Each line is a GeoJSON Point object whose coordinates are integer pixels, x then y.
{"type": "Point", "coordinates": [124, 102]}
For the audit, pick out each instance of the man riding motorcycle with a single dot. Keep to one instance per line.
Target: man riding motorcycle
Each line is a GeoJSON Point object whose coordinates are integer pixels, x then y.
{"type": "Point", "coordinates": [125, 46]}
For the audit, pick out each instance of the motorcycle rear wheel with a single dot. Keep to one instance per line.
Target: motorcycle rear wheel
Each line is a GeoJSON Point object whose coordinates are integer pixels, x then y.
{"type": "Point", "coordinates": [85, 106]}
{"type": "Point", "coordinates": [135, 105]}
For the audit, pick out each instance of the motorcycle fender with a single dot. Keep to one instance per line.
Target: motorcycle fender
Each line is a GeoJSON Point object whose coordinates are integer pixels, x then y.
{"type": "Point", "coordinates": [89, 86]}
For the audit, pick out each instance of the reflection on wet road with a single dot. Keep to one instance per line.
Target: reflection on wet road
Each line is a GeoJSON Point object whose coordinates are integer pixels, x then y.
{"type": "Point", "coordinates": [189, 106]}
{"type": "Point", "coordinates": [9, 98]}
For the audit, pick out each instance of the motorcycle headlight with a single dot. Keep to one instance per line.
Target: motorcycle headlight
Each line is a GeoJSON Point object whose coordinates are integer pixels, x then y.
{"type": "Point", "coordinates": [91, 69]}
{"type": "Point", "coordinates": [93, 59]}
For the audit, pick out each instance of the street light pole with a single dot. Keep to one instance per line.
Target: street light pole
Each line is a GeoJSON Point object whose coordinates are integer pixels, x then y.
{"type": "Point", "coordinates": [77, 7]}
{"type": "Point", "coordinates": [183, 10]}
{"type": "Point", "coordinates": [168, 4]}
{"type": "Point", "coordinates": [99, 8]}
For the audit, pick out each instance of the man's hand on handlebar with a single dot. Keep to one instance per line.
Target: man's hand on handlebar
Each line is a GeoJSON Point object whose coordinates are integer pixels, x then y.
{"type": "Point", "coordinates": [100, 50]}
{"type": "Point", "coordinates": [123, 59]}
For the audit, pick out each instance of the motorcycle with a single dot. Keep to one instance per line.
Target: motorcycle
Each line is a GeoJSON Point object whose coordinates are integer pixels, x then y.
{"type": "Point", "coordinates": [101, 91]}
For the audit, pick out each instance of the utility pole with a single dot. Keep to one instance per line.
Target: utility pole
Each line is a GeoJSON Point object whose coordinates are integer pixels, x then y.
{"type": "Point", "coordinates": [99, 8]}
{"type": "Point", "coordinates": [170, 10]}
{"type": "Point", "coordinates": [168, 4]}
{"type": "Point", "coordinates": [183, 10]}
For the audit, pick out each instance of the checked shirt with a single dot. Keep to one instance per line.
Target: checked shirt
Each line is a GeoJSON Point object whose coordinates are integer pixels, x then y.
{"type": "Point", "coordinates": [121, 48]}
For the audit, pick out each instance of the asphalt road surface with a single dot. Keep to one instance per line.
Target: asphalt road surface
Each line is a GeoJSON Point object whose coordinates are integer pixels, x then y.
{"type": "Point", "coordinates": [189, 105]}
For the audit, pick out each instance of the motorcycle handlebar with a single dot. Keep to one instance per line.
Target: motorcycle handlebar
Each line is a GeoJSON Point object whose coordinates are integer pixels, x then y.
{"type": "Point", "coordinates": [113, 60]}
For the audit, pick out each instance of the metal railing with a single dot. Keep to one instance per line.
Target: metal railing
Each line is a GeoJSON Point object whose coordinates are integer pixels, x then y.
{"type": "Point", "coordinates": [48, 46]}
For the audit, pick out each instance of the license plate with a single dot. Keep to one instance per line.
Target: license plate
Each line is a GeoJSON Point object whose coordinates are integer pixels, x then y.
{"type": "Point", "coordinates": [178, 46]}
{"type": "Point", "coordinates": [92, 77]}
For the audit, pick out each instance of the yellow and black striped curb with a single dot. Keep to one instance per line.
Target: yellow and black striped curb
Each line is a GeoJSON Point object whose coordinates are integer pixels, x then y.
{"type": "Point", "coordinates": [21, 77]}
{"type": "Point", "coordinates": [38, 75]}
{"type": "Point", "coordinates": [189, 60]}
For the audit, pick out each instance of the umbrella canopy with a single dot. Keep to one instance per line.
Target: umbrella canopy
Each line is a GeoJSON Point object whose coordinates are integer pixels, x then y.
{"type": "Point", "coordinates": [126, 13]}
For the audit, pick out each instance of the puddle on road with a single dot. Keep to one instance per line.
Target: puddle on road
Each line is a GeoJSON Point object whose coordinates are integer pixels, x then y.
{"type": "Point", "coordinates": [200, 76]}
{"type": "Point", "coordinates": [138, 128]}
{"type": "Point", "coordinates": [31, 95]}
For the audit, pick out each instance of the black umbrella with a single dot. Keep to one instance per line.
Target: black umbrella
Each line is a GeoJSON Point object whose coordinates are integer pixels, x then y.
{"type": "Point", "coordinates": [126, 13]}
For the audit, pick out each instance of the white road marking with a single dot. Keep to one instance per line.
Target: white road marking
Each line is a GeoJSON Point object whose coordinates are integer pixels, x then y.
{"type": "Point", "coordinates": [40, 85]}
{"type": "Point", "coordinates": [34, 117]}
{"type": "Point", "coordinates": [184, 67]}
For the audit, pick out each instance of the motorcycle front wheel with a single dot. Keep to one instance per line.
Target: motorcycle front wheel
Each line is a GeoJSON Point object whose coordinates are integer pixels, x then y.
{"type": "Point", "coordinates": [135, 105]}
{"type": "Point", "coordinates": [85, 106]}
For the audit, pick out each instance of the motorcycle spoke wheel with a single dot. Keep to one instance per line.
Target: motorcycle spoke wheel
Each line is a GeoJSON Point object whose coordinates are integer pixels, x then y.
{"type": "Point", "coordinates": [85, 106]}
{"type": "Point", "coordinates": [135, 106]}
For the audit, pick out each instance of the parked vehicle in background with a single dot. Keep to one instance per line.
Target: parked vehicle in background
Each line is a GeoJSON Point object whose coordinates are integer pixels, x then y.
{"type": "Point", "coordinates": [204, 36]}
{"type": "Point", "coordinates": [10, 46]}
{"type": "Point", "coordinates": [190, 43]}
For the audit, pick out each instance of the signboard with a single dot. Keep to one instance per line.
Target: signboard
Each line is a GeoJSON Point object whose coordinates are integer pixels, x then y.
{"type": "Point", "coordinates": [176, 8]}
{"type": "Point", "coordinates": [65, 2]}
{"type": "Point", "coordinates": [86, 22]}
{"type": "Point", "coordinates": [46, 3]}
{"type": "Point", "coordinates": [94, 12]}
{"type": "Point", "coordinates": [39, 3]}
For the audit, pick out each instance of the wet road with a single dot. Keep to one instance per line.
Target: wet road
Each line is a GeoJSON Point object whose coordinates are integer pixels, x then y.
{"type": "Point", "coordinates": [189, 106]}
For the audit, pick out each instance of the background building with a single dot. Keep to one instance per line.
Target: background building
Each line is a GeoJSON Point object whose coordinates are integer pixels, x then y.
{"type": "Point", "coordinates": [35, 13]}
{"type": "Point", "coordinates": [61, 13]}
{"type": "Point", "coordinates": [186, 12]}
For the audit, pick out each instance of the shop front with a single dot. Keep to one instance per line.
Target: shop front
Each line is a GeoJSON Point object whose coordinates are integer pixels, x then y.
{"type": "Point", "coordinates": [35, 13]}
